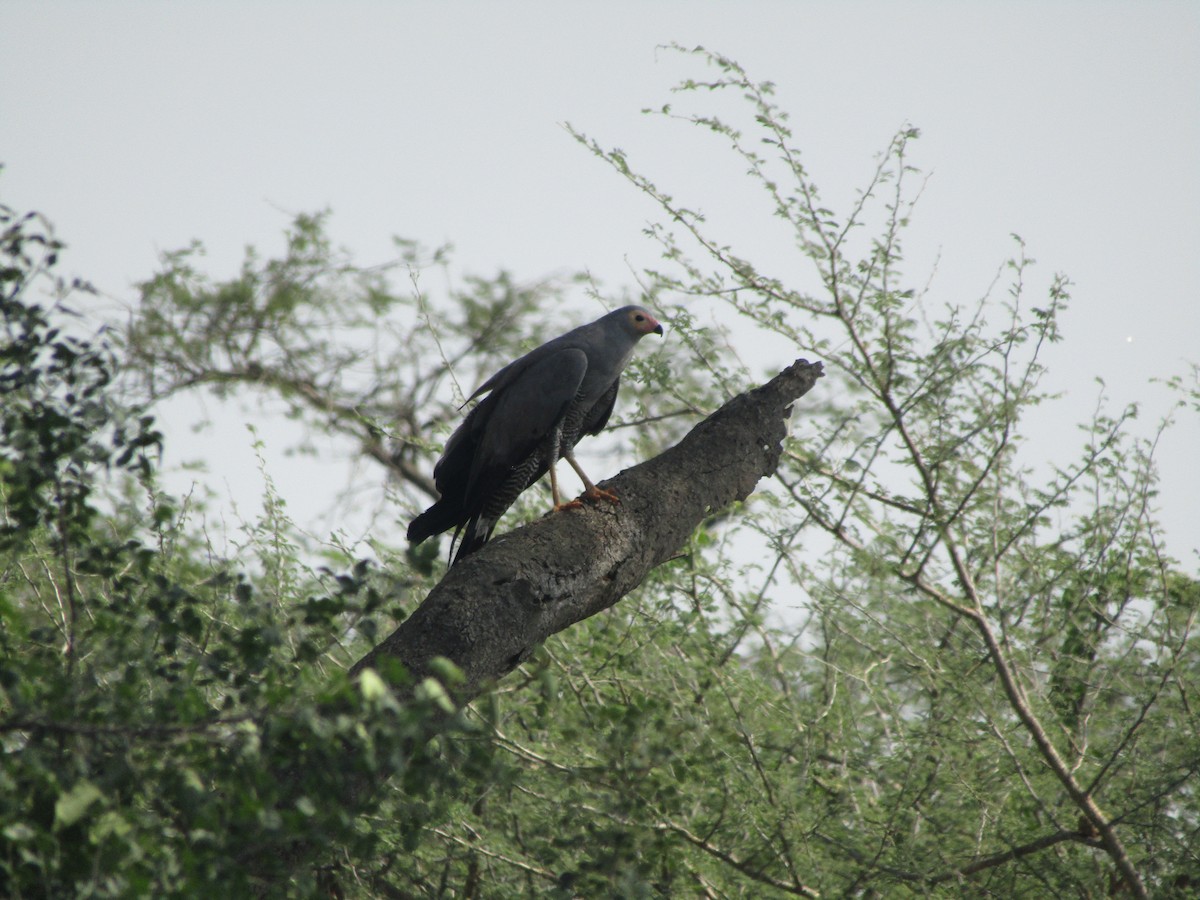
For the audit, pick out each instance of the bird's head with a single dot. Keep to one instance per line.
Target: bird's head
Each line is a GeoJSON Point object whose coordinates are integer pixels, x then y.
{"type": "Point", "coordinates": [639, 321]}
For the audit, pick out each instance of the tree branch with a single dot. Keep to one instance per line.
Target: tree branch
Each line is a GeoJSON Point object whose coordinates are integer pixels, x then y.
{"type": "Point", "coordinates": [493, 609]}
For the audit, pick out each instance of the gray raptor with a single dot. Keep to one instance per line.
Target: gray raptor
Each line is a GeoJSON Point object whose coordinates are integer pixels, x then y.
{"type": "Point", "coordinates": [536, 410]}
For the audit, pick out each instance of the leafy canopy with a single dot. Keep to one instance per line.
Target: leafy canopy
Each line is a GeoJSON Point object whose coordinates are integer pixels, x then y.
{"type": "Point", "coordinates": [928, 659]}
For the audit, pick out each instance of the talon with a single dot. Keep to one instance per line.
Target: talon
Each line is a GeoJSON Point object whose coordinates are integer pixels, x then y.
{"type": "Point", "coordinates": [601, 494]}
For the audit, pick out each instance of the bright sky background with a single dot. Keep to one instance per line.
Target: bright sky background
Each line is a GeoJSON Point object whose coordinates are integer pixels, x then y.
{"type": "Point", "coordinates": [138, 126]}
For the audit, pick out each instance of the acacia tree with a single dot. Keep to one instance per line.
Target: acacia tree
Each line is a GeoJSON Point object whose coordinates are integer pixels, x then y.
{"type": "Point", "coordinates": [1040, 620]}
{"type": "Point", "coordinates": [937, 671]}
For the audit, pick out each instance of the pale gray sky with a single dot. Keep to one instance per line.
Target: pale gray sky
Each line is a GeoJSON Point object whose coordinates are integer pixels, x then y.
{"type": "Point", "coordinates": [138, 126]}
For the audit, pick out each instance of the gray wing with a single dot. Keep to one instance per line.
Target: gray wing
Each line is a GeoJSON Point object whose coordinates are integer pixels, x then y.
{"type": "Point", "coordinates": [523, 413]}
{"type": "Point", "coordinates": [598, 416]}
{"type": "Point", "coordinates": [526, 401]}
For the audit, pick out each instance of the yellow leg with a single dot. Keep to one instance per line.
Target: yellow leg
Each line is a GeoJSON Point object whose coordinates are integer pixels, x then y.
{"type": "Point", "coordinates": [558, 504]}
{"type": "Point", "coordinates": [590, 490]}
{"type": "Point", "coordinates": [554, 488]}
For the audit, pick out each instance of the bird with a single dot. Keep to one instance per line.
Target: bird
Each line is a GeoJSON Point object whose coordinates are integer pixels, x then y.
{"type": "Point", "coordinates": [532, 414]}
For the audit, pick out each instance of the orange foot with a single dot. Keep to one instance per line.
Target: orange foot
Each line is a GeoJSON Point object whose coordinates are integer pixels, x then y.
{"type": "Point", "coordinates": [593, 494]}
{"type": "Point", "coordinates": [601, 494]}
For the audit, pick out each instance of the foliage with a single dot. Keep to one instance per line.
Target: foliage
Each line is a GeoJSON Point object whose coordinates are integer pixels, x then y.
{"type": "Point", "coordinates": [928, 659]}
{"type": "Point", "coordinates": [168, 722]}
{"type": "Point", "coordinates": [1007, 649]}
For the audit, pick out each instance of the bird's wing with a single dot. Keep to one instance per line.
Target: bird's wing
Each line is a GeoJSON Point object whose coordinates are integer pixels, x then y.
{"type": "Point", "coordinates": [521, 412]}
{"type": "Point", "coordinates": [514, 369]}
{"type": "Point", "coordinates": [597, 417]}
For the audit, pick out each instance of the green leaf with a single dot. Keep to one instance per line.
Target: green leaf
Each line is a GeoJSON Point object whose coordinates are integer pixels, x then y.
{"type": "Point", "coordinates": [111, 824]}
{"type": "Point", "coordinates": [372, 685]}
{"type": "Point", "coordinates": [447, 671]}
{"type": "Point", "coordinates": [18, 832]}
{"type": "Point", "coordinates": [431, 691]}
{"type": "Point", "coordinates": [73, 805]}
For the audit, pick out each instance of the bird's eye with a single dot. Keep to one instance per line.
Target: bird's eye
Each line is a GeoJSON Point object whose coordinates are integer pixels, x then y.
{"type": "Point", "coordinates": [640, 318]}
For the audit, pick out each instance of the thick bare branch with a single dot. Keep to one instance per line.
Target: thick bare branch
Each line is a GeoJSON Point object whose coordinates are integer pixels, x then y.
{"type": "Point", "coordinates": [492, 610]}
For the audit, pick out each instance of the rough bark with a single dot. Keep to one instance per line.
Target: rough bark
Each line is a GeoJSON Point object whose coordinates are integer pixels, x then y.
{"type": "Point", "coordinates": [493, 608]}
